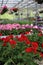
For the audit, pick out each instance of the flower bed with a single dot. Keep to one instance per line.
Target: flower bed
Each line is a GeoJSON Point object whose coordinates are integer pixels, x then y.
{"type": "Point", "coordinates": [22, 50]}
{"type": "Point", "coordinates": [17, 29]}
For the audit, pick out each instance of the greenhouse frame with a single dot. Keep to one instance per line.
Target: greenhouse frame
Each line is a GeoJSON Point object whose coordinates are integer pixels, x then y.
{"type": "Point", "coordinates": [21, 32]}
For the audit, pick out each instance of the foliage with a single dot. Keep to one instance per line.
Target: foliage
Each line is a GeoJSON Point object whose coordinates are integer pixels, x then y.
{"type": "Point", "coordinates": [5, 9]}
{"type": "Point", "coordinates": [17, 29]}
{"type": "Point", "coordinates": [22, 50]}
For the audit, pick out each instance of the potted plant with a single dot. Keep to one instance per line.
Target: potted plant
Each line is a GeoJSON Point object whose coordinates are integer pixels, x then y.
{"type": "Point", "coordinates": [4, 9]}
{"type": "Point", "coordinates": [16, 14]}
{"type": "Point", "coordinates": [39, 1]}
{"type": "Point", "coordinates": [14, 9]}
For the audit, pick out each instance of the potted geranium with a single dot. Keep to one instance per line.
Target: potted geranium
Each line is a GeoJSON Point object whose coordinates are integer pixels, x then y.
{"type": "Point", "coordinates": [16, 14]}
{"type": "Point", "coordinates": [4, 9]}
{"type": "Point", "coordinates": [14, 9]}
{"type": "Point", "coordinates": [39, 1]}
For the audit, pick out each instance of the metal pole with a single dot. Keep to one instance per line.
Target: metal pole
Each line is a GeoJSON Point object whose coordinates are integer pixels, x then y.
{"type": "Point", "coordinates": [27, 13]}
{"type": "Point", "coordinates": [18, 16]}
{"type": "Point", "coordinates": [36, 13]}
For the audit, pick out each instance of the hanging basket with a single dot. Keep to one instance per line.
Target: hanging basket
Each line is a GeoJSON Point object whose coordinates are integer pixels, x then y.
{"type": "Point", "coordinates": [16, 14]}
{"type": "Point", "coordinates": [39, 1]}
{"type": "Point", "coordinates": [41, 11]}
{"type": "Point", "coordinates": [10, 12]}
{"type": "Point", "coordinates": [21, 13]}
{"type": "Point", "coordinates": [4, 10]}
{"type": "Point", "coordinates": [14, 9]}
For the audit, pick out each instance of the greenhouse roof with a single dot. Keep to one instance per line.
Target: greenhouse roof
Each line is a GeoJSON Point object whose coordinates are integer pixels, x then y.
{"type": "Point", "coordinates": [19, 3]}
{"type": "Point", "coordinates": [9, 3]}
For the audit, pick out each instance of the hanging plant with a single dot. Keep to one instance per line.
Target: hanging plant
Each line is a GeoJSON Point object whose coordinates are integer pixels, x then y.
{"type": "Point", "coordinates": [11, 12]}
{"type": "Point", "coordinates": [16, 14]}
{"type": "Point", "coordinates": [14, 9]}
{"type": "Point", "coordinates": [39, 1]}
{"type": "Point", "coordinates": [4, 10]}
{"type": "Point", "coordinates": [21, 13]}
{"type": "Point", "coordinates": [41, 11]}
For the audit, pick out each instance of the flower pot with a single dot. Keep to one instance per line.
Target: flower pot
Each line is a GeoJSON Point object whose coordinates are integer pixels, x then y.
{"type": "Point", "coordinates": [14, 9]}
{"type": "Point", "coordinates": [4, 9]}
{"type": "Point", "coordinates": [1, 63]}
{"type": "Point", "coordinates": [39, 1]}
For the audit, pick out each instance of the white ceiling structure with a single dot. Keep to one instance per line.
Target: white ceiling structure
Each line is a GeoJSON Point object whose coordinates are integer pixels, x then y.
{"type": "Point", "coordinates": [20, 3]}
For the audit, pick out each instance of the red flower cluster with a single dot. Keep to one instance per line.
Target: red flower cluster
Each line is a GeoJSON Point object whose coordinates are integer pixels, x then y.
{"type": "Point", "coordinates": [41, 54]}
{"type": "Point", "coordinates": [4, 44]}
{"type": "Point", "coordinates": [27, 32]}
{"type": "Point", "coordinates": [33, 46]}
{"type": "Point", "coordinates": [23, 38]}
{"type": "Point", "coordinates": [10, 40]}
{"type": "Point", "coordinates": [28, 50]}
{"type": "Point", "coordinates": [40, 34]}
{"type": "Point", "coordinates": [0, 34]}
{"type": "Point", "coordinates": [12, 43]}
{"type": "Point", "coordinates": [42, 45]}
{"type": "Point", "coordinates": [5, 40]}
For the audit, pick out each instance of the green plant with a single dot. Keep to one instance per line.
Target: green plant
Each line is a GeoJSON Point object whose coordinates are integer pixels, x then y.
{"type": "Point", "coordinates": [22, 50]}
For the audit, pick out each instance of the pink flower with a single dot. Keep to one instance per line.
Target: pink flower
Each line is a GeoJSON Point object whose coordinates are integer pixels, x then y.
{"type": "Point", "coordinates": [4, 6]}
{"type": "Point", "coordinates": [36, 27]}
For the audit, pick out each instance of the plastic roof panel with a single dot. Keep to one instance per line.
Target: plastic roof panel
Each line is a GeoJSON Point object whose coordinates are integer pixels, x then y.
{"type": "Point", "coordinates": [9, 3]}
{"type": "Point", "coordinates": [19, 3]}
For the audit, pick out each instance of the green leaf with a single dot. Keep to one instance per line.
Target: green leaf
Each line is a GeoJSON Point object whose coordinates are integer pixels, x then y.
{"type": "Point", "coordinates": [6, 63]}
{"type": "Point", "coordinates": [20, 64]}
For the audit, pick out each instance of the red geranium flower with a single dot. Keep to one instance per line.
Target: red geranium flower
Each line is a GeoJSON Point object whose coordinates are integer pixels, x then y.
{"type": "Point", "coordinates": [41, 54]}
{"type": "Point", "coordinates": [5, 40]}
{"type": "Point", "coordinates": [2, 39]}
{"type": "Point", "coordinates": [11, 36]}
{"type": "Point", "coordinates": [4, 44]}
{"type": "Point", "coordinates": [28, 50]}
{"type": "Point", "coordinates": [0, 34]}
{"type": "Point", "coordinates": [16, 37]}
{"type": "Point", "coordinates": [28, 42]}
{"type": "Point", "coordinates": [27, 32]}
{"type": "Point", "coordinates": [35, 45]}
{"type": "Point", "coordinates": [22, 38]}
{"type": "Point", "coordinates": [42, 45]}
{"type": "Point", "coordinates": [34, 50]}
{"type": "Point", "coordinates": [39, 34]}
{"type": "Point", "coordinates": [12, 42]}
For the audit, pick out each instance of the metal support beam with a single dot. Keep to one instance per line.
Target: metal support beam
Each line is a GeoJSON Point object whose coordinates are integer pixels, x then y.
{"type": "Point", "coordinates": [6, 2]}
{"type": "Point", "coordinates": [2, 2]}
{"type": "Point", "coordinates": [28, 4]}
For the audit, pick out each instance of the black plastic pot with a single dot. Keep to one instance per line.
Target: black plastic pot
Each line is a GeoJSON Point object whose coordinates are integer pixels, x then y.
{"type": "Point", "coordinates": [16, 14]}
{"type": "Point", "coordinates": [1, 63]}
{"type": "Point", "coordinates": [4, 10]}
{"type": "Point", "coordinates": [41, 11]}
{"type": "Point", "coordinates": [39, 1]}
